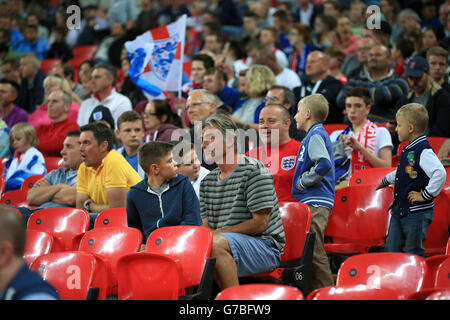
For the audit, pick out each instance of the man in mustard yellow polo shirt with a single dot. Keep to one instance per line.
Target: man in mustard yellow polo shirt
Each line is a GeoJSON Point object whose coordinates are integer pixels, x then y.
{"type": "Point", "coordinates": [104, 177]}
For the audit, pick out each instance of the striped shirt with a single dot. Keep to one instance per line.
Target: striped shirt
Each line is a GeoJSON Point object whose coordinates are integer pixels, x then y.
{"type": "Point", "coordinates": [232, 200]}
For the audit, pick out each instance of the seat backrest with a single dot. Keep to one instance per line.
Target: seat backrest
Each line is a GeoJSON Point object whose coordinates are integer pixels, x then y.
{"type": "Point", "coordinates": [2, 184]}
{"type": "Point", "coordinates": [52, 163]}
{"type": "Point", "coordinates": [357, 292]}
{"type": "Point", "coordinates": [48, 64]}
{"type": "Point", "coordinates": [360, 213]}
{"type": "Point", "coordinates": [37, 244]}
{"type": "Point", "coordinates": [87, 52]}
{"type": "Point", "coordinates": [443, 274]}
{"type": "Point", "coordinates": [330, 127]}
{"type": "Point", "coordinates": [436, 143]}
{"type": "Point", "coordinates": [64, 224]}
{"type": "Point", "coordinates": [70, 272]}
{"type": "Point", "coordinates": [438, 231]}
{"type": "Point", "coordinates": [149, 276]}
{"type": "Point", "coordinates": [260, 292]}
{"type": "Point", "coordinates": [447, 249]}
{"type": "Point", "coordinates": [191, 245]}
{"type": "Point", "coordinates": [29, 182]}
{"type": "Point", "coordinates": [442, 294]}
{"type": "Point", "coordinates": [296, 219]}
{"type": "Point", "coordinates": [16, 198]}
{"type": "Point", "coordinates": [433, 263]}
{"type": "Point", "coordinates": [446, 187]}
{"type": "Point", "coordinates": [112, 243]}
{"type": "Point", "coordinates": [400, 271]}
{"type": "Point", "coordinates": [113, 217]}
{"type": "Point", "coordinates": [369, 176]}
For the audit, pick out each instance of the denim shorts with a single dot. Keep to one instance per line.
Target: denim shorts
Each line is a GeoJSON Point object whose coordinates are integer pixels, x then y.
{"type": "Point", "coordinates": [252, 254]}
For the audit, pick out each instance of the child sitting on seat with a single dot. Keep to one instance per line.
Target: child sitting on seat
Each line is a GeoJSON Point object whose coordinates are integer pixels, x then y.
{"type": "Point", "coordinates": [27, 160]}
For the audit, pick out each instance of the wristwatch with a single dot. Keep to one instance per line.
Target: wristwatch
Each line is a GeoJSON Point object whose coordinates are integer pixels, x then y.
{"type": "Point", "coordinates": [87, 205]}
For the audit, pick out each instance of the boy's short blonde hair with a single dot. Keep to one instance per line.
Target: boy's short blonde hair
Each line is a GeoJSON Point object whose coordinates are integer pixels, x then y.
{"type": "Point", "coordinates": [416, 114]}
{"type": "Point", "coordinates": [26, 130]}
{"type": "Point", "coordinates": [318, 105]}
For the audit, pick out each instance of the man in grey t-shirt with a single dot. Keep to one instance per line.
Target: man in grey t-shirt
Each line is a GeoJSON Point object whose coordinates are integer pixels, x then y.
{"type": "Point", "coordinates": [58, 187]}
{"type": "Point", "coordinates": [238, 202]}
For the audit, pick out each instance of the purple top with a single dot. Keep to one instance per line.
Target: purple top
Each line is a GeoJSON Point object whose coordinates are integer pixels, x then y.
{"type": "Point", "coordinates": [17, 115]}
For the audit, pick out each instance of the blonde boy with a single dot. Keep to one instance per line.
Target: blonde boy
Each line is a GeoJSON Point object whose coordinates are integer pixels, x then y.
{"type": "Point", "coordinates": [313, 181]}
{"type": "Point", "coordinates": [418, 179]}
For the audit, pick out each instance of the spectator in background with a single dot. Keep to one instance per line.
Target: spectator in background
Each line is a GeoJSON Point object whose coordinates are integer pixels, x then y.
{"type": "Point", "coordinates": [268, 37]}
{"type": "Point", "coordinates": [401, 51]}
{"type": "Point", "coordinates": [172, 12]}
{"type": "Point", "coordinates": [104, 78]}
{"type": "Point", "coordinates": [11, 70]}
{"type": "Point", "coordinates": [51, 136]}
{"type": "Point", "coordinates": [12, 114]}
{"type": "Point", "coordinates": [5, 150]}
{"type": "Point", "coordinates": [336, 56]}
{"type": "Point", "coordinates": [357, 16]}
{"type": "Point", "coordinates": [250, 25]}
{"type": "Point", "coordinates": [147, 18]}
{"type": "Point", "coordinates": [299, 36]}
{"type": "Point", "coordinates": [32, 43]}
{"type": "Point", "coordinates": [317, 80]}
{"type": "Point", "coordinates": [281, 23]}
{"type": "Point", "coordinates": [332, 8]}
{"type": "Point", "coordinates": [85, 78]}
{"type": "Point", "coordinates": [18, 282]}
{"type": "Point", "coordinates": [306, 12]}
{"type": "Point", "coordinates": [424, 91]}
{"type": "Point", "coordinates": [59, 48]}
{"type": "Point", "coordinates": [31, 91]}
{"type": "Point", "coordinates": [324, 27]}
{"type": "Point", "coordinates": [355, 66]}
{"type": "Point", "coordinates": [345, 38]}
{"type": "Point", "coordinates": [437, 58]}
{"type": "Point", "coordinates": [200, 63]}
{"type": "Point", "coordinates": [213, 43]}
{"type": "Point", "coordinates": [40, 116]}
{"type": "Point", "coordinates": [77, 89]}
{"type": "Point", "coordinates": [33, 19]}
{"type": "Point", "coordinates": [122, 11]}
{"type": "Point", "coordinates": [160, 122]}
{"type": "Point", "coordinates": [431, 37]}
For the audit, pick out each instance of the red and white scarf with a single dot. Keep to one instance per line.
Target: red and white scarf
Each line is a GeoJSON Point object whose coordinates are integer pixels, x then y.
{"type": "Point", "coordinates": [367, 138]}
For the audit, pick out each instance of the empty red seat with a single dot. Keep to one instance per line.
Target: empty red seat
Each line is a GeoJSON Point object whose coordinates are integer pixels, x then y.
{"type": "Point", "coordinates": [330, 127]}
{"type": "Point", "coordinates": [260, 292]}
{"type": "Point", "coordinates": [433, 264]}
{"type": "Point", "coordinates": [191, 246]}
{"type": "Point", "coordinates": [443, 274]}
{"type": "Point", "coordinates": [149, 276]}
{"type": "Point", "coordinates": [359, 219]}
{"type": "Point", "coordinates": [30, 181]}
{"type": "Point", "coordinates": [355, 292]}
{"type": "Point", "coordinates": [72, 273]}
{"type": "Point", "coordinates": [48, 64]}
{"type": "Point", "coordinates": [52, 163]}
{"type": "Point", "coordinates": [441, 294]}
{"type": "Point", "coordinates": [37, 244]}
{"type": "Point", "coordinates": [447, 249]}
{"type": "Point", "coordinates": [113, 217]}
{"type": "Point", "coordinates": [370, 176]}
{"type": "Point", "coordinates": [296, 260]}
{"type": "Point", "coordinates": [399, 271]}
{"type": "Point", "coordinates": [64, 224]}
{"type": "Point", "coordinates": [16, 198]}
{"type": "Point", "coordinates": [435, 143]}
{"type": "Point", "coordinates": [110, 244]}
{"type": "Point", "coordinates": [87, 52]}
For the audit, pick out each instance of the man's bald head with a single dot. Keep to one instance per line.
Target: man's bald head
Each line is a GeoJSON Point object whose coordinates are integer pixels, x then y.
{"type": "Point", "coordinates": [12, 229]}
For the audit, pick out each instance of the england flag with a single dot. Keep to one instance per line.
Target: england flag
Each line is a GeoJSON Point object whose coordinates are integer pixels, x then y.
{"type": "Point", "coordinates": [156, 59]}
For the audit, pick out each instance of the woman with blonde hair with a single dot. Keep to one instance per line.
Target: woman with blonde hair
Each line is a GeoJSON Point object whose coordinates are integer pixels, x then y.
{"type": "Point", "coordinates": [51, 83]}
{"type": "Point", "coordinates": [245, 105]}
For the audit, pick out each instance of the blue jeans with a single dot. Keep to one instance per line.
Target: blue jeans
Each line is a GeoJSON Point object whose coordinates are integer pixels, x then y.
{"type": "Point", "coordinates": [409, 231]}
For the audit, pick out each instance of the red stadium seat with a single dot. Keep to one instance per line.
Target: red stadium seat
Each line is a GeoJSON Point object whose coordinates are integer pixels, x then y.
{"type": "Point", "coordinates": [446, 187]}
{"type": "Point", "coordinates": [113, 217]}
{"type": "Point", "coordinates": [37, 244]}
{"type": "Point", "coordinates": [399, 271]}
{"type": "Point", "coordinates": [87, 52]}
{"type": "Point", "coordinates": [16, 198]}
{"type": "Point", "coordinates": [30, 181]}
{"type": "Point", "coordinates": [72, 273]}
{"type": "Point", "coordinates": [296, 261]}
{"type": "Point", "coordinates": [355, 292]}
{"type": "Point", "coordinates": [110, 244]}
{"type": "Point", "coordinates": [149, 276]}
{"type": "Point", "coordinates": [2, 184]}
{"type": "Point", "coordinates": [435, 143]}
{"type": "Point", "coordinates": [330, 127]}
{"type": "Point", "coordinates": [48, 64]}
{"type": "Point", "coordinates": [369, 176]}
{"type": "Point", "coordinates": [260, 292]}
{"type": "Point", "coordinates": [442, 294]}
{"type": "Point", "coordinates": [52, 163]}
{"type": "Point", "coordinates": [443, 274]}
{"type": "Point", "coordinates": [359, 219]}
{"type": "Point", "coordinates": [64, 224]}
{"type": "Point", "coordinates": [438, 231]}
{"type": "Point", "coordinates": [447, 249]}
{"type": "Point", "coordinates": [433, 264]}
{"type": "Point", "coordinates": [191, 245]}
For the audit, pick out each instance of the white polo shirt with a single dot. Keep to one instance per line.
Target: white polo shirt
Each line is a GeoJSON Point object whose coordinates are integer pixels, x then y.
{"type": "Point", "coordinates": [117, 103]}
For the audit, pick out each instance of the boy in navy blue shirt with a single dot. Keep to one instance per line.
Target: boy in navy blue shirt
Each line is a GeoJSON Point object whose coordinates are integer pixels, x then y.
{"type": "Point", "coordinates": [164, 198]}
{"type": "Point", "coordinates": [313, 182]}
{"type": "Point", "coordinates": [419, 178]}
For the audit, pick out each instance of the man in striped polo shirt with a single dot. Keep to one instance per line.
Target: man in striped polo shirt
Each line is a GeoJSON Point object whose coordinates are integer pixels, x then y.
{"type": "Point", "coordinates": [238, 202]}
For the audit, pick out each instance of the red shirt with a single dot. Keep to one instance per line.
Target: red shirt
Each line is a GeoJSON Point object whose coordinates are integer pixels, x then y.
{"type": "Point", "coordinates": [51, 137]}
{"type": "Point", "coordinates": [282, 168]}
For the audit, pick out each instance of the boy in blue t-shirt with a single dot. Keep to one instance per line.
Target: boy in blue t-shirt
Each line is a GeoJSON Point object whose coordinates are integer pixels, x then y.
{"type": "Point", "coordinates": [313, 182]}
{"type": "Point", "coordinates": [419, 178]}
